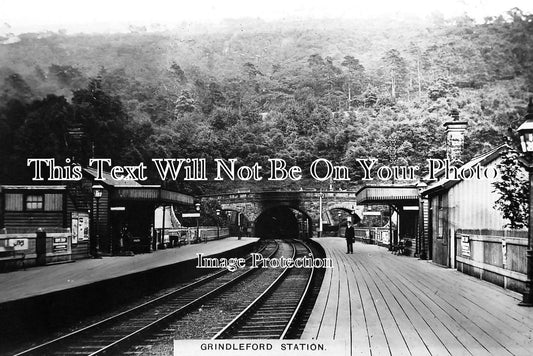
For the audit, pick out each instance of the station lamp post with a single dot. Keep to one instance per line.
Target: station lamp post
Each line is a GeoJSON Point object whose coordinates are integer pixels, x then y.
{"type": "Point", "coordinates": [197, 206]}
{"type": "Point", "coordinates": [526, 141]}
{"type": "Point", "coordinates": [320, 222]}
{"type": "Point", "coordinates": [339, 218]}
{"type": "Point", "coordinates": [218, 226]}
{"type": "Point", "coordinates": [98, 191]}
{"type": "Point", "coordinates": [421, 245]}
{"type": "Point", "coordinates": [229, 221]}
{"type": "Point", "coordinates": [239, 223]}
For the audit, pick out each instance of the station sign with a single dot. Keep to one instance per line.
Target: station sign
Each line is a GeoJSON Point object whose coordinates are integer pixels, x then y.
{"type": "Point", "coordinates": [190, 215]}
{"type": "Point", "coordinates": [372, 213]}
{"type": "Point", "coordinates": [18, 244]}
{"type": "Point", "coordinates": [60, 244]}
{"type": "Point", "coordinates": [411, 208]}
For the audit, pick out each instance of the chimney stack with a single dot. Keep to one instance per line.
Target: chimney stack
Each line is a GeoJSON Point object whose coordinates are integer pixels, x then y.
{"type": "Point", "coordinates": [455, 138]}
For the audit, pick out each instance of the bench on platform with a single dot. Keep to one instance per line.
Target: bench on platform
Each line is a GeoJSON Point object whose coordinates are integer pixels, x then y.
{"type": "Point", "coordinates": [403, 247]}
{"type": "Point", "coordinates": [398, 248]}
{"type": "Point", "coordinates": [9, 255]}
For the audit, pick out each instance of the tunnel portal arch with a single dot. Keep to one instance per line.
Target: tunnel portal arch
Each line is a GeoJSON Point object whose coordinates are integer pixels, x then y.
{"type": "Point", "coordinates": [284, 222]}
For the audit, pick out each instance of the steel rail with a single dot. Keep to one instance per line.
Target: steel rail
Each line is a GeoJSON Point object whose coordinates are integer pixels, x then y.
{"type": "Point", "coordinates": [302, 298]}
{"type": "Point", "coordinates": [152, 303]}
{"type": "Point", "coordinates": [234, 324]}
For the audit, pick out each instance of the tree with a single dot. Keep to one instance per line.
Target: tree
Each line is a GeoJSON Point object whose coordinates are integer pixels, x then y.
{"type": "Point", "coordinates": [513, 189]}
{"type": "Point", "coordinates": [442, 88]}
{"type": "Point", "coordinates": [355, 73]}
{"type": "Point", "coordinates": [106, 124]}
{"type": "Point", "coordinates": [221, 119]}
{"type": "Point", "coordinates": [38, 129]}
{"type": "Point", "coordinates": [396, 70]}
{"type": "Point", "coordinates": [15, 87]}
{"type": "Point", "coordinates": [67, 75]}
{"type": "Point", "coordinates": [251, 71]}
{"type": "Point", "coordinates": [184, 103]}
{"type": "Point", "coordinates": [416, 52]}
{"type": "Point", "coordinates": [178, 73]}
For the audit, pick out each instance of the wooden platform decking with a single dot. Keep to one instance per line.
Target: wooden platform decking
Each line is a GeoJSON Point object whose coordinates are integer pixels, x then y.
{"type": "Point", "coordinates": [383, 304]}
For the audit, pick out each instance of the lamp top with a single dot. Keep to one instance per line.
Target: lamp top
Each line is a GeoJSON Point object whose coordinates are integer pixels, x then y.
{"type": "Point", "coordinates": [421, 185]}
{"type": "Point", "coordinates": [98, 191]}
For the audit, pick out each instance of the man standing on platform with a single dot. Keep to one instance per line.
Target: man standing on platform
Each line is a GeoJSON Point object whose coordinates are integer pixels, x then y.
{"type": "Point", "coordinates": [349, 235]}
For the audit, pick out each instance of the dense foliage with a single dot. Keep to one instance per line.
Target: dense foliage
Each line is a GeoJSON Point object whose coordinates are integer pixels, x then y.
{"type": "Point", "coordinates": [252, 90]}
{"type": "Point", "coordinates": [513, 191]}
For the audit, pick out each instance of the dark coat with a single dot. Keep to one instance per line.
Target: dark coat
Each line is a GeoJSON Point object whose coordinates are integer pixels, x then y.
{"type": "Point", "coordinates": [349, 235]}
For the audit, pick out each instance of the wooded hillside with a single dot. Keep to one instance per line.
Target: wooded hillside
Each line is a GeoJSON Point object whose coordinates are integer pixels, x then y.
{"type": "Point", "coordinates": [255, 90]}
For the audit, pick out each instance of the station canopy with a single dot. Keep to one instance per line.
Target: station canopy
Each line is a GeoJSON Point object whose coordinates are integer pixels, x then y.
{"type": "Point", "coordinates": [392, 194]}
{"type": "Point", "coordinates": [134, 191]}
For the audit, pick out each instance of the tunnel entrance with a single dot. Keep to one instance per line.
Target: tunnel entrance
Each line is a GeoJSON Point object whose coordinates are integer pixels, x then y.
{"type": "Point", "coordinates": [282, 222]}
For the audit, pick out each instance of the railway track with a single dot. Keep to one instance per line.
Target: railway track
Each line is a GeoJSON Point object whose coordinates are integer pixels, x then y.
{"type": "Point", "coordinates": [123, 329]}
{"type": "Point", "coordinates": [273, 313]}
{"type": "Point", "coordinates": [262, 316]}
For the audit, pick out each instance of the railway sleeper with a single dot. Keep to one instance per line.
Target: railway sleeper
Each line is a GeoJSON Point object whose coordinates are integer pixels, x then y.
{"type": "Point", "coordinates": [258, 336]}
{"type": "Point", "coordinates": [273, 312]}
{"type": "Point", "coordinates": [263, 326]}
{"type": "Point", "coordinates": [267, 312]}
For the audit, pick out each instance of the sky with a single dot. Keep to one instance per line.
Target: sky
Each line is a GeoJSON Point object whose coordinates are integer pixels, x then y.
{"type": "Point", "coordinates": [18, 16]}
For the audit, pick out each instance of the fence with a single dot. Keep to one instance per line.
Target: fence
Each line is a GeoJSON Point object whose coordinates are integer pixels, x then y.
{"type": "Point", "coordinates": [189, 235]}
{"type": "Point", "coordinates": [497, 256]}
{"type": "Point", "coordinates": [24, 249]}
{"type": "Point", "coordinates": [373, 235]}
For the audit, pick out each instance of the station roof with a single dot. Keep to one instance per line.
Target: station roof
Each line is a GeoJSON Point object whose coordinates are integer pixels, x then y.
{"type": "Point", "coordinates": [483, 159]}
{"type": "Point", "coordinates": [33, 187]}
{"type": "Point", "coordinates": [122, 190]}
{"type": "Point", "coordinates": [150, 193]}
{"type": "Point", "coordinates": [110, 181]}
{"type": "Point", "coordinates": [388, 194]}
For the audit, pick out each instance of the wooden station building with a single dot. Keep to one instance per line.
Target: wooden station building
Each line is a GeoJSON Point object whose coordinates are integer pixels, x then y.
{"type": "Point", "coordinates": [69, 215]}
{"type": "Point", "coordinates": [469, 233]}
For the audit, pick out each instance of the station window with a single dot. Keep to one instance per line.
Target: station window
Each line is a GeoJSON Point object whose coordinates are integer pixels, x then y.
{"type": "Point", "coordinates": [34, 202]}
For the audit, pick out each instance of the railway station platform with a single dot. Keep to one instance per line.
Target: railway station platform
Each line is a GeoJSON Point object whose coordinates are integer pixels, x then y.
{"type": "Point", "coordinates": [384, 304]}
{"type": "Point", "coordinates": [38, 300]}
{"type": "Point", "coordinates": [47, 279]}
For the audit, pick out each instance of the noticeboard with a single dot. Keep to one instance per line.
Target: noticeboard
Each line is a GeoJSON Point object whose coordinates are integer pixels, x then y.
{"type": "Point", "coordinates": [80, 227]}
{"type": "Point", "coordinates": [385, 237]}
{"type": "Point", "coordinates": [465, 245]}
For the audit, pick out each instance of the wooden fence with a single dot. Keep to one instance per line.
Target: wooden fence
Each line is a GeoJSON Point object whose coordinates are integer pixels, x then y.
{"type": "Point", "coordinates": [497, 256]}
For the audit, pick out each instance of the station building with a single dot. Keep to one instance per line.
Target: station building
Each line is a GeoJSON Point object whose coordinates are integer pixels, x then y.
{"type": "Point", "coordinates": [404, 205]}
{"type": "Point", "coordinates": [467, 232]}
{"type": "Point", "coordinates": [42, 224]}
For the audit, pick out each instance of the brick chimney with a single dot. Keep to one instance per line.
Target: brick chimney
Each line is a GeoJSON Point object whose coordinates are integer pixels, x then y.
{"type": "Point", "coordinates": [455, 138]}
